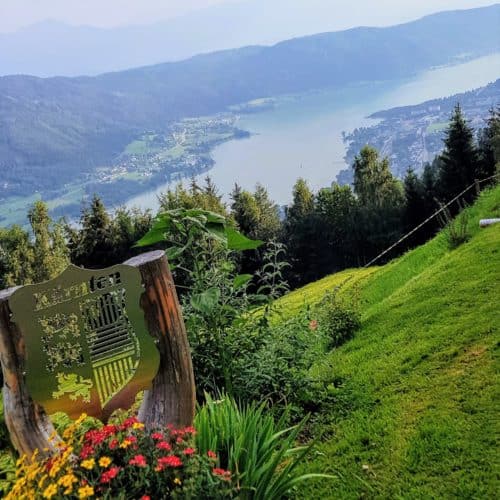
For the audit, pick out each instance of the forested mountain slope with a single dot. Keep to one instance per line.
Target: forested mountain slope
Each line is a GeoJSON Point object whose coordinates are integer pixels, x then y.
{"type": "Point", "coordinates": [416, 390]}
{"type": "Point", "coordinates": [57, 128]}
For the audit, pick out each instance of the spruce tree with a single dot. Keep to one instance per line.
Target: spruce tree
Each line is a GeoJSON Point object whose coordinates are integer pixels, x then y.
{"type": "Point", "coordinates": [489, 145]}
{"type": "Point", "coordinates": [49, 247]}
{"type": "Point", "coordinates": [93, 247]}
{"type": "Point", "coordinates": [459, 163]}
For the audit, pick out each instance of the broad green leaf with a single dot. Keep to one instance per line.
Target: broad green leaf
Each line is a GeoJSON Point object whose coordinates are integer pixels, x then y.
{"type": "Point", "coordinates": [241, 279]}
{"type": "Point", "coordinates": [151, 238]}
{"type": "Point", "coordinates": [217, 231]}
{"type": "Point", "coordinates": [206, 301]}
{"type": "Point", "coordinates": [238, 241]}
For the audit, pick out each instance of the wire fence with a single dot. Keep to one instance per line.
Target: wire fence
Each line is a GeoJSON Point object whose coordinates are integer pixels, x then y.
{"type": "Point", "coordinates": [476, 184]}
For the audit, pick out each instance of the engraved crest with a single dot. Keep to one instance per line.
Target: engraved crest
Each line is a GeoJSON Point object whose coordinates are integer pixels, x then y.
{"type": "Point", "coordinates": [87, 345]}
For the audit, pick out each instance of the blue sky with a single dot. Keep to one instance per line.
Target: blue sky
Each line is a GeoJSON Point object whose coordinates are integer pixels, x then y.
{"type": "Point", "coordinates": [15, 14]}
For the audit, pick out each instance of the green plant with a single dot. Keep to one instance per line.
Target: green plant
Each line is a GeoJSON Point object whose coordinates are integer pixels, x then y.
{"type": "Point", "coordinates": [456, 230]}
{"type": "Point", "coordinates": [339, 318]}
{"type": "Point", "coordinates": [261, 452]}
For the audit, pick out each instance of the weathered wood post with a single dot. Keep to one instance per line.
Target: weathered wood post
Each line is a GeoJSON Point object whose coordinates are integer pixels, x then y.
{"type": "Point", "coordinates": [171, 398]}
{"type": "Point", "coordinates": [28, 425]}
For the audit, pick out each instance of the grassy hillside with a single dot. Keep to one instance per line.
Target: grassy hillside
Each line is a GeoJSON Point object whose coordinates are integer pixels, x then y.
{"type": "Point", "coordinates": [415, 413]}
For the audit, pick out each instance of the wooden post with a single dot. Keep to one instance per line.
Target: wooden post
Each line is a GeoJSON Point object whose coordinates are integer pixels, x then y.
{"type": "Point", "coordinates": [172, 397]}
{"type": "Point", "coordinates": [477, 187]}
{"type": "Point", "coordinates": [28, 425]}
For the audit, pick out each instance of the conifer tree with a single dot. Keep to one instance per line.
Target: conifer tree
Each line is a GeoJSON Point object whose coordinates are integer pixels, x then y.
{"type": "Point", "coordinates": [489, 145]}
{"type": "Point", "coordinates": [459, 163]}
{"type": "Point", "coordinates": [92, 246]}
{"type": "Point", "coordinates": [50, 254]}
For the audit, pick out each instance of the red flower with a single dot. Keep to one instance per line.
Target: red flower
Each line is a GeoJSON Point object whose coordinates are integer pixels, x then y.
{"type": "Point", "coordinates": [110, 474]}
{"type": "Point", "coordinates": [138, 460]}
{"type": "Point", "coordinates": [113, 444]}
{"type": "Point", "coordinates": [189, 451]}
{"type": "Point", "coordinates": [163, 445]}
{"type": "Point", "coordinates": [224, 474]}
{"type": "Point", "coordinates": [108, 430]}
{"type": "Point", "coordinates": [211, 454]}
{"type": "Point", "coordinates": [87, 451]}
{"type": "Point", "coordinates": [190, 430]}
{"type": "Point", "coordinates": [169, 461]}
{"type": "Point", "coordinates": [129, 422]}
{"type": "Point", "coordinates": [157, 435]}
{"type": "Point", "coordinates": [313, 324]}
{"type": "Point", "coordinates": [145, 497]}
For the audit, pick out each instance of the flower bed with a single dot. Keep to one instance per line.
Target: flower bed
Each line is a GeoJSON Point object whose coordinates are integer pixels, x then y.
{"type": "Point", "coordinates": [123, 461]}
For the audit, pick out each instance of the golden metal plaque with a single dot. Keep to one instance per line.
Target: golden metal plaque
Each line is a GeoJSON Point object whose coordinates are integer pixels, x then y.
{"type": "Point", "coordinates": [87, 345]}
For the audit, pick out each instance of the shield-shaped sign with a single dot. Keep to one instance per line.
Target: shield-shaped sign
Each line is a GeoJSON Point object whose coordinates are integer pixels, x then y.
{"type": "Point", "coordinates": [87, 345]}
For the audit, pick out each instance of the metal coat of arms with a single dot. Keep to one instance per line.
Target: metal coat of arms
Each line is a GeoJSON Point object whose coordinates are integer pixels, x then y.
{"type": "Point", "coordinates": [87, 345]}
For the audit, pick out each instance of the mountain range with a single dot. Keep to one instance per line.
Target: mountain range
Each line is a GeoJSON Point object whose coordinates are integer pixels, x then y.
{"type": "Point", "coordinates": [51, 47]}
{"type": "Point", "coordinates": [55, 129]}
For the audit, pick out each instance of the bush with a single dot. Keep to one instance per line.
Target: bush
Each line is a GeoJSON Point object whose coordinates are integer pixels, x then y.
{"type": "Point", "coordinates": [339, 319]}
{"type": "Point", "coordinates": [249, 441]}
{"type": "Point", "coordinates": [123, 461]}
{"type": "Point", "coordinates": [457, 231]}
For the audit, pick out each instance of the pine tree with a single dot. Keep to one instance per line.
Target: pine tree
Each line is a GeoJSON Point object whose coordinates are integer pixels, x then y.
{"type": "Point", "coordinates": [489, 145]}
{"type": "Point", "coordinates": [49, 248]}
{"type": "Point", "coordinates": [93, 245]}
{"type": "Point", "coordinates": [415, 200]}
{"type": "Point", "coordinates": [459, 163]}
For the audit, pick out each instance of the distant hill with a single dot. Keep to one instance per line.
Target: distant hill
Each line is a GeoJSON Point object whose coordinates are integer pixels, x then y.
{"type": "Point", "coordinates": [50, 48]}
{"type": "Point", "coordinates": [55, 129]}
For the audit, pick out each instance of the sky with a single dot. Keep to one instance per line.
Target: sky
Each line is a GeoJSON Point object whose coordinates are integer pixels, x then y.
{"type": "Point", "coordinates": [15, 14]}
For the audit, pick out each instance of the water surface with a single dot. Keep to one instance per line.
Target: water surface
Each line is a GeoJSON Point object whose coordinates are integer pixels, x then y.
{"type": "Point", "coordinates": [302, 136]}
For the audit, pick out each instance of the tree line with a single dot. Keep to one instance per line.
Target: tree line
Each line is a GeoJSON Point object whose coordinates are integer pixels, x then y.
{"type": "Point", "coordinates": [325, 231]}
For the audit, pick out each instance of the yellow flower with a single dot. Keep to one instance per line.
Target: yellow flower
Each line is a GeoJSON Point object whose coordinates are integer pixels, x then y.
{"type": "Point", "coordinates": [125, 444]}
{"type": "Point", "coordinates": [85, 492]}
{"type": "Point", "coordinates": [88, 464]}
{"type": "Point", "coordinates": [50, 491]}
{"type": "Point", "coordinates": [104, 461]}
{"type": "Point", "coordinates": [67, 480]}
{"type": "Point", "coordinates": [177, 481]}
{"type": "Point", "coordinates": [41, 481]}
{"type": "Point", "coordinates": [137, 425]}
{"type": "Point", "coordinates": [56, 467]}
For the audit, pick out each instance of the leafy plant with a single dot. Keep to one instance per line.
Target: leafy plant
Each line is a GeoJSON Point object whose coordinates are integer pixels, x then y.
{"type": "Point", "coordinates": [262, 452]}
{"type": "Point", "coordinates": [339, 318]}
{"type": "Point", "coordinates": [456, 230]}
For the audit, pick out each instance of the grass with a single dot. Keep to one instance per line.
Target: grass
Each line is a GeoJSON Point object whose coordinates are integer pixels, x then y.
{"type": "Point", "coordinates": [417, 388]}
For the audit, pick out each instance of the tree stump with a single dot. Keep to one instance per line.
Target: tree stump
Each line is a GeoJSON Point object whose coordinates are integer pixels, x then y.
{"type": "Point", "coordinates": [171, 398]}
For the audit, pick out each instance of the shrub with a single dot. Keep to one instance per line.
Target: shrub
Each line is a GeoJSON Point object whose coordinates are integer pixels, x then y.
{"type": "Point", "coordinates": [123, 461]}
{"type": "Point", "coordinates": [249, 441]}
{"type": "Point", "coordinates": [339, 319]}
{"type": "Point", "coordinates": [457, 231]}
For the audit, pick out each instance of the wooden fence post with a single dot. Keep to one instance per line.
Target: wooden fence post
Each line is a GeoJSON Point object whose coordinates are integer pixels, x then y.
{"type": "Point", "coordinates": [172, 396]}
{"type": "Point", "coordinates": [29, 427]}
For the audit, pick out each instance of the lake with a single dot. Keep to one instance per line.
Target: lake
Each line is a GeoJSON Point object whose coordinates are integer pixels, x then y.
{"type": "Point", "coordinates": [302, 136]}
